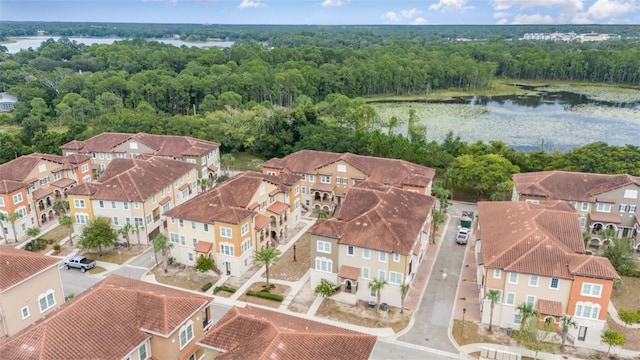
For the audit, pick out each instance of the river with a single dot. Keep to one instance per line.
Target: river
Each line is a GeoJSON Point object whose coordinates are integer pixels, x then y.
{"type": "Point", "coordinates": [34, 42]}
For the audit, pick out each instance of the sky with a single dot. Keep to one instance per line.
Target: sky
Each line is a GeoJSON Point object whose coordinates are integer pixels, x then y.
{"type": "Point", "coordinates": [327, 12]}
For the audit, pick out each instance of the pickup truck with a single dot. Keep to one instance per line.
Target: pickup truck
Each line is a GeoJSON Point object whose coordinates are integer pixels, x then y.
{"type": "Point", "coordinates": [80, 262]}
{"type": "Point", "coordinates": [463, 236]}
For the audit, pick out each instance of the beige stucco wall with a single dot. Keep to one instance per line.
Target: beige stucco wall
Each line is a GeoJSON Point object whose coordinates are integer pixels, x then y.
{"type": "Point", "coordinates": [169, 348]}
{"type": "Point", "coordinates": [317, 276]}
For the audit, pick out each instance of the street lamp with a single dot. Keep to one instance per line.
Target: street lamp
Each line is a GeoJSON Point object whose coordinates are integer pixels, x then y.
{"type": "Point", "coordinates": [464, 311]}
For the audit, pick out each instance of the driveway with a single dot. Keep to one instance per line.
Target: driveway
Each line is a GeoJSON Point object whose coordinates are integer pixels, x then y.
{"type": "Point", "coordinates": [433, 316]}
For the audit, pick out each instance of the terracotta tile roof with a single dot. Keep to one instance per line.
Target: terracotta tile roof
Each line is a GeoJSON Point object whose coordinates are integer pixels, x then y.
{"type": "Point", "coordinates": [212, 168]}
{"type": "Point", "coordinates": [349, 272]}
{"type": "Point", "coordinates": [260, 221]}
{"type": "Point", "coordinates": [72, 145]}
{"type": "Point", "coordinates": [278, 207]}
{"type": "Point", "coordinates": [139, 178]}
{"type": "Point", "coordinates": [253, 333]}
{"type": "Point", "coordinates": [548, 307]}
{"type": "Point", "coordinates": [105, 322]}
{"type": "Point", "coordinates": [86, 189]}
{"type": "Point", "coordinates": [18, 169]}
{"type": "Point", "coordinates": [594, 266]}
{"type": "Point", "coordinates": [378, 217]}
{"type": "Point", "coordinates": [323, 187]}
{"type": "Point", "coordinates": [569, 186]}
{"type": "Point", "coordinates": [41, 193]}
{"type": "Point", "coordinates": [541, 239]}
{"type": "Point", "coordinates": [165, 200]}
{"type": "Point", "coordinates": [18, 265]}
{"type": "Point", "coordinates": [387, 171]}
{"type": "Point", "coordinates": [203, 246]}
{"type": "Point", "coordinates": [63, 182]}
{"type": "Point", "coordinates": [612, 218]}
{"type": "Point", "coordinates": [227, 202]}
{"type": "Point", "coordinates": [9, 186]}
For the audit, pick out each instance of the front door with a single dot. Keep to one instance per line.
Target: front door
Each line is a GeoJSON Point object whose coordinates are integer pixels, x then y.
{"type": "Point", "coordinates": [228, 267]}
{"type": "Point", "coordinates": [582, 333]}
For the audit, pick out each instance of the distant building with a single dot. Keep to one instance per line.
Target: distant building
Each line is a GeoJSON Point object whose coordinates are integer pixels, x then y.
{"type": "Point", "coordinates": [571, 36]}
{"type": "Point", "coordinates": [7, 102]}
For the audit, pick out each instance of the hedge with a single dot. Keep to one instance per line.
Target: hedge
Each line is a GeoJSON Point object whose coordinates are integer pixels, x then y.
{"type": "Point", "coordinates": [207, 286]}
{"type": "Point", "coordinates": [265, 295]}
{"type": "Point", "coordinates": [228, 289]}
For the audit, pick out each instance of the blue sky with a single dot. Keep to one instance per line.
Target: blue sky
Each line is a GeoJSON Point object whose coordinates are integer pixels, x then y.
{"type": "Point", "coordinates": [327, 12]}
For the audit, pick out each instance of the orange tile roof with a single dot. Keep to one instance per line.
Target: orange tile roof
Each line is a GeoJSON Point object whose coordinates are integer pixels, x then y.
{"type": "Point", "coordinates": [254, 333]}
{"type": "Point", "coordinates": [18, 265]}
{"type": "Point", "coordinates": [63, 182]}
{"type": "Point", "coordinates": [260, 221]}
{"type": "Point", "coordinates": [203, 246]}
{"type": "Point", "coordinates": [323, 187]}
{"type": "Point", "coordinates": [9, 186]}
{"type": "Point", "coordinates": [612, 218]}
{"type": "Point", "coordinates": [548, 307]}
{"type": "Point", "coordinates": [349, 272]}
{"type": "Point", "coordinates": [165, 200]}
{"type": "Point", "coordinates": [278, 207]}
{"type": "Point", "coordinates": [105, 322]}
{"type": "Point", "coordinates": [41, 193]}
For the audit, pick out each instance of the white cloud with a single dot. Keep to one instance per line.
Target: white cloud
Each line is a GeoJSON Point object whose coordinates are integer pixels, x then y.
{"type": "Point", "coordinates": [333, 3]}
{"type": "Point", "coordinates": [450, 5]}
{"type": "Point", "coordinates": [569, 6]}
{"type": "Point", "coordinates": [532, 19]}
{"type": "Point", "coordinates": [502, 22]}
{"type": "Point", "coordinates": [500, 15]}
{"type": "Point", "coordinates": [602, 9]}
{"type": "Point", "coordinates": [419, 21]}
{"type": "Point", "coordinates": [410, 13]}
{"type": "Point", "coordinates": [245, 4]}
{"type": "Point", "coordinates": [392, 17]}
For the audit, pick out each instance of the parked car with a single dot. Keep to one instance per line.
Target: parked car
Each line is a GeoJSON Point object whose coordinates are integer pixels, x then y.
{"type": "Point", "coordinates": [80, 262]}
{"type": "Point", "coordinates": [463, 236]}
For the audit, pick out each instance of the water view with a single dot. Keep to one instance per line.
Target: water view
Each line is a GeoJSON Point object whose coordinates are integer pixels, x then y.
{"type": "Point", "coordinates": [34, 42]}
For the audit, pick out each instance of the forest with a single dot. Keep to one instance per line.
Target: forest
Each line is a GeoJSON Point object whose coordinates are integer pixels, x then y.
{"type": "Point", "coordinates": [271, 101]}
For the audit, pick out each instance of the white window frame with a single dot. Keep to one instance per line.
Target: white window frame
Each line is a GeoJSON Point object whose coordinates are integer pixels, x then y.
{"type": "Point", "coordinates": [557, 283]}
{"type": "Point", "coordinates": [187, 337]}
{"type": "Point", "coordinates": [533, 301]}
{"type": "Point", "coordinates": [366, 273]}
{"type": "Point", "coordinates": [79, 203]}
{"type": "Point", "coordinates": [581, 307]}
{"type": "Point", "coordinates": [632, 209]}
{"type": "Point", "coordinates": [396, 257]}
{"type": "Point", "coordinates": [351, 251]}
{"type": "Point", "coordinates": [497, 273]}
{"type": "Point", "coordinates": [227, 249]}
{"type": "Point", "coordinates": [324, 265]}
{"type": "Point", "coordinates": [325, 179]}
{"type": "Point", "coordinates": [366, 254]}
{"type": "Point", "coordinates": [382, 275]}
{"type": "Point", "coordinates": [603, 207]}
{"type": "Point", "coordinates": [323, 247]}
{"type": "Point", "coordinates": [513, 298]}
{"type": "Point", "coordinates": [85, 168]}
{"type": "Point", "coordinates": [17, 198]}
{"type": "Point", "coordinates": [245, 246]}
{"type": "Point", "coordinates": [397, 276]}
{"type": "Point", "coordinates": [511, 278]}
{"type": "Point", "coordinates": [244, 229]}
{"type": "Point", "coordinates": [2, 202]}
{"type": "Point", "coordinates": [585, 206]}
{"type": "Point", "coordinates": [587, 289]}
{"type": "Point", "coordinates": [49, 298]}
{"type": "Point", "coordinates": [382, 256]}
{"type": "Point", "coordinates": [225, 232]}
{"type": "Point", "coordinates": [23, 310]}
{"type": "Point", "coordinates": [534, 280]}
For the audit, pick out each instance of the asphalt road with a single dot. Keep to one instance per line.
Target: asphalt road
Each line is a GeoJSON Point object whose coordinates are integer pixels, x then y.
{"type": "Point", "coordinates": [384, 350]}
{"type": "Point", "coordinates": [432, 319]}
{"type": "Point", "coordinates": [75, 281]}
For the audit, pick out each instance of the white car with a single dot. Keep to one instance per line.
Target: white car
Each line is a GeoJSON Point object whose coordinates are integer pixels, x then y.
{"type": "Point", "coordinates": [463, 236]}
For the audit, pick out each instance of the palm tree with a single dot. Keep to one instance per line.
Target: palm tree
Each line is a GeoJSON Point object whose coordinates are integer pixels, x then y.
{"type": "Point", "coordinates": [12, 218]}
{"type": "Point", "coordinates": [204, 183]}
{"type": "Point", "coordinates": [61, 206]}
{"type": "Point", "coordinates": [227, 159]}
{"type": "Point", "coordinates": [3, 218]}
{"type": "Point", "coordinates": [66, 221]}
{"type": "Point", "coordinates": [494, 297]}
{"type": "Point", "coordinates": [268, 256]}
{"type": "Point", "coordinates": [404, 289]}
{"type": "Point", "coordinates": [136, 228]}
{"type": "Point", "coordinates": [126, 230]}
{"type": "Point", "coordinates": [586, 237]}
{"type": "Point", "coordinates": [526, 311]}
{"type": "Point", "coordinates": [437, 218]}
{"type": "Point", "coordinates": [566, 322]}
{"type": "Point", "coordinates": [377, 285]}
{"type": "Point", "coordinates": [33, 232]}
{"type": "Point", "coordinates": [161, 243]}
{"type": "Point", "coordinates": [320, 213]}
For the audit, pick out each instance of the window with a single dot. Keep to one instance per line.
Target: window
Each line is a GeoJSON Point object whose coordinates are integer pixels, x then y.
{"type": "Point", "coordinates": [194, 242]}
{"type": "Point", "coordinates": [108, 156]}
{"type": "Point", "coordinates": [342, 168]}
{"type": "Point", "coordinates": [185, 193]}
{"type": "Point", "coordinates": [46, 301]}
{"type": "Point", "coordinates": [225, 232]}
{"type": "Point", "coordinates": [622, 208]}
{"type": "Point", "coordinates": [345, 180]}
{"type": "Point", "coordinates": [533, 280]}
{"type": "Point", "coordinates": [142, 351]}
{"type": "Point", "coordinates": [181, 223]}
{"type": "Point", "coordinates": [531, 300]}
{"type": "Point", "coordinates": [183, 240]}
{"type": "Point", "coordinates": [396, 257]}
{"type": "Point", "coordinates": [245, 246]}
{"type": "Point", "coordinates": [325, 179]}
{"type": "Point", "coordinates": [592, 290]}
{"type": "Point", "coordinates": [382, 257]}
{"type": "Point", "coordinates": [244, 230]}
{"type": "Point", "coordinates": [1, 202]}
{"type": "Point", "coordinates": [324, 265]}
{"type": "Point", "coordinates": [116, 221]}
{"type": "Point", "coordinates": [395, 278]}
{"type": "Point", "coordinates": [17, 198]}
{"type": "Point", "coordinates": [42, 168]}
{"type": "Point", "coordinates": [227, 249]}
{"type": "Point", "coordinates": [127, 220]}
{"type": "Point", "coordinates": [630, 194]}
{"type": "Point", "coordinates": [585, 206]}
{"type": "Point", "coordinates": [272, 199]}
{"type": "Point", "coordinates": [304, 190]}
{"type": "Point", "coordinates": [513, 278]}
{"type": "Point", "coordinates": [206, 227]}
{"type": "Point", "coordinates": [517, 318]}
{"type": "Point", "coordinates": [125, 205]}
{"type": "Point", "coordinates": [511, 298]}
{"type": "Point", "coordinates": [350, 250]}
{"type": "Point", "coordinates": [554, 284]}
{"type": "Point", "coordinates": [136, 205]}
{"type": "Point", "coordinates": [190, 256]}
{"type": "Point", "coordinates": [174, 238]}
{"type": "Point", "coordinates": [574, 204]}
{"type": "Point", "coordinates": [303, 177]}
{"type": "Point", "coordinates": [149, 219]}
{"type": "Point", "coordinates": [138, 221]}
{"type": "Point", "coordinates": [166, 207]}
{"type": "Point", "coordinates": [100, 156]}
{"type": "Point", "coordinates": [57, 176]}
{"type": "Point", "coordinates": [497, 273]}
{"type": "Point", "coordinates": [338, 180]}
{"type": "Point", "coordinates": [365, 272]}
{"type": "Point", "coordinates": [186, 334]}
{"type": "Point", "coordinates": [632, 209]}
{"type": "Point", "coordinates": [587, 310]}
{"type": "Point", "coordinates": [193, 225]}
{"type": "Point", "coordinates": [86, 179]}
{"type": "Point", "coordinates": [101, 204]}
{"type": "Point", "coordinates": [583, 221]}
{"type": "Point", "coordinates": [25, 312]}
{"type": "Point", "coordinates": [82, 218]}
{"type": "Point", "coordinates": [366, 254]}
{"type": "Point", "coordinates": [153, 198]}
{"type": "Point", "coordinates": [382, 275]}
{"type": "Point", "coordinates": [323, 247]}
{"type": "Point", "coordinates": [113, 204]}
{"type": "Point", "coordinates": [312, 178]}
{"type": "Point", "coordinates": [296, 190]}
{"type": "Point", "coordinates": [603, 207]}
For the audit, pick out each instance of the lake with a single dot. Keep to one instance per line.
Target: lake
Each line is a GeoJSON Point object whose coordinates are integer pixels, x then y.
{"type": "Point", "coordinates": [563, 118]}
{"type": "Point", "coordinates": [35, 41]}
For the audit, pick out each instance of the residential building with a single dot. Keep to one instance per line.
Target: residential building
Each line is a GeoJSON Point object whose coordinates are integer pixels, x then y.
{"type": "Point", "coordinates": [136, 191]}
{"type": "Point", "coordinates": [30, 289]}
{"type": "Point", "coordinates": [118, 318]}
{"type": "Point", "coordinates": [602, 201]}
{"type": "Point", "coordinates": [7, 102]}
{"type": "Point", "coordinates": [108, 146]}
{"type": "Point", "coordinates": [229, 222]}
{"type": "Point", "coordinates": [254, 333]}
{"type": "Point", "coordinates": [379, 231]}
{"type": "Point", "coordinates": [326, 176]}
{"type": "Point", "coordinates": [533, 253]}
{"type": "Point", "coordinates": [31, 184]}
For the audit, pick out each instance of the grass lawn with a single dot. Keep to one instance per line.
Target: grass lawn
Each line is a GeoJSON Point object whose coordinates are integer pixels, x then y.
{"type": "Point", "coordinates": [119, 256]}
{"type": "Point", "coordinates": [244, 162]}
{"type": "Point", "coordinates": [97, 270]}
{"type": "Point", "coordinates": [286, 268]}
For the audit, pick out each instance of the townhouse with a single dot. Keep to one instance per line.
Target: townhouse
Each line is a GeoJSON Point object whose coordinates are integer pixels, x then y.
{"type": "Point", "coordinates": [254, 333]}
{"type": "Point", "coordinates": [602, 201]}
{"type": "Point", "coordinates": [379, 231]}
{"type": "Point", "coordinates": [533, 253]}
{"type": "Point", "coordinates": [103, 148]}
{"type": "Point", "coordinates": [229, 222]}
{"type": "Point", "coordinates": [136, 191]}
{"type": "Point", "coordinates": [31, 184]}
{"type": "Point", "coordinates": [118, 318]}
{"type": "Point", "coordinates": [327, 176]}
{"type": "Point", "coordinates": [30, 289]}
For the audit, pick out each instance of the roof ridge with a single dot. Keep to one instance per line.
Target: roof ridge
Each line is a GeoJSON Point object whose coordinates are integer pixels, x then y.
{"type": "Point", "coordinates": [525, 253]}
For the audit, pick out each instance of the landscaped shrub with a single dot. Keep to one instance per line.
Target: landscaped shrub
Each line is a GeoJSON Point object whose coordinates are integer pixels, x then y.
{"type": "Point", "coordinates": [57, 248]}
{"type": "Point", "coordinates": [207, 286]}
{"type": "Point", "coordinates": [228, 289]}
{"type": "Point", "coordinates": [265, 295]}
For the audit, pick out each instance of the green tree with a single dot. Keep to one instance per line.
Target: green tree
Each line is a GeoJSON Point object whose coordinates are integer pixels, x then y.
{"type": "Point", "coordinates": [612, 338]}
{"type": "Point", "coordinates": [483, 173]}
{"type": "Point", "coordinates": [267, 256]}
{"type": "Point", "coordinates": [227, 160]}
{"type": "Point", "coordinates": [33, 231]}
{"type": "Point", "coordinates": [320, 213]}
{"type": "Point", "coordinates": [377, 285]}
{"type": "Point", "coordinates": [161, 243]}
{"type": "Point", "coordinates": [97, 234]}
{"type": "Point", "coordinates": [566, 323]}
{"type": "Point", "coordinates": [204, 263]}
{"type": "Point", "coordinates": [404, 290]}
{"type": "Point", "coordinates": [620, 254]}
{"type": "Point", "coordinates": [61, 206]}
{"type": "Point", "coordinates": [204, 183]}
{"type": "Point", "coordinates": [443, 196]}
{"type": "Point", "coordinates": [126, 230]}
{"type": "Point", "coordinates": [12, 218]}
{"type": "Point", "coordinates": [67, 222]}
{"type": "Point", "coordinates": [494, 297]}
{"type": "Point", "coordinates": [325, 288]}
{"type": "Point", "coordinates": [628, 317]}
{"type": "Point", "coordinates": [136, 228]}
{"type": "Point", "coordinates": [527, 311]}
{"type": "Point", "coordinates": [531, 337]}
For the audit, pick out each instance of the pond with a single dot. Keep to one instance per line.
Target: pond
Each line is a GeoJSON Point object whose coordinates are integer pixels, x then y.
{"type": "Point", "coordinates": [561, 117]}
